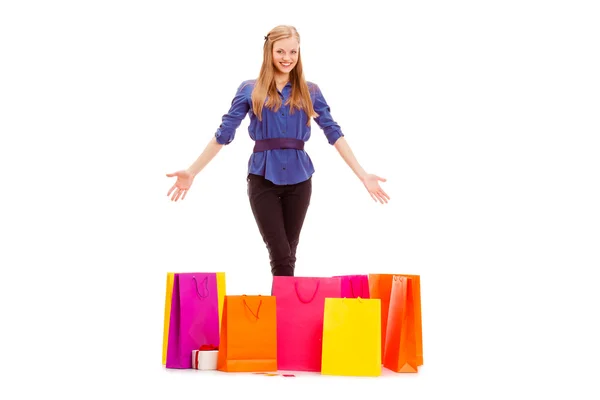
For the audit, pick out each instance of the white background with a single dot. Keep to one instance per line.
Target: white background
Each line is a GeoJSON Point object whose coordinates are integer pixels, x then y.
{"type": "Point", "coordinates": [483, 116]}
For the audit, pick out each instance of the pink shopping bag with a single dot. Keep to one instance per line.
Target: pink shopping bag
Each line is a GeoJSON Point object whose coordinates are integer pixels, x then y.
{"type": "Point", "coordinates": [300, 308]}
{"type": "Point", "coordinates": [354, 286]}
{"type": "Point", "coordinates": [194, 317]}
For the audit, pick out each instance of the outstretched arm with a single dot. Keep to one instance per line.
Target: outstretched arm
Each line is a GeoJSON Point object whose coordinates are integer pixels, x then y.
{"type": "Point", "coordinates": [210, 151]}
{"type": "Point", "coordinates": [335, 137]}
{"type": "Point", "coordinates": [185, 177]}
{"type": "Point", "coordinates": [223, 136]}
{"type": "Point", "coordinates": [342, 146]}
{"type": "Point", "coordinates": [370, 181]}
{"type": "Point", "coordinates": [226, 132]}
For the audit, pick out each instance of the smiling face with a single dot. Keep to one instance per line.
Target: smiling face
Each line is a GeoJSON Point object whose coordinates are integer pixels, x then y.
{"type": "Point", "coordinates": [285, 55]}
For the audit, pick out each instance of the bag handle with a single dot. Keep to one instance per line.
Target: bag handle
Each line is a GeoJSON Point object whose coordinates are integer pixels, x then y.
{"type": "Point", "coordinates": [313, 296]}
{"type": "Point", "coordinates": [205, 281]}
{"type": "Point", "coordinates": [352, 289]}
{"type": "Point", "coordinates": [249, 309]}
{"type": "Point", "coordinates": [359, 299]}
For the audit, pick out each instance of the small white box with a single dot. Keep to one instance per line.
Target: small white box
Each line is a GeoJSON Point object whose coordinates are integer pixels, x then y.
{"type": "Point", "coordinates": [205, 359]}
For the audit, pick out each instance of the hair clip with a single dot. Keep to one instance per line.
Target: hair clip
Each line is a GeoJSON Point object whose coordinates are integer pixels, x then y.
{"type": "Point", "coordinates": [266, 37]}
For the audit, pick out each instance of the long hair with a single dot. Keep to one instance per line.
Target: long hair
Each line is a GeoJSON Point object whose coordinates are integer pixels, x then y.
{"type": "Point", "coordinates": [265, 85]}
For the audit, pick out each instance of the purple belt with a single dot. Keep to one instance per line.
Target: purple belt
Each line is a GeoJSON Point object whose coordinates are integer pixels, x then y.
{"type": "Point", "coordinates": [278, 143]}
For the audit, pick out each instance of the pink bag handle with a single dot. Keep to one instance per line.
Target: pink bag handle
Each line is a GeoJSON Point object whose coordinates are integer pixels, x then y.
{"type": "Point", "coordinates": [352, 289]}
{"type": "Point", "coordinates": [313, 296]}
{"type": "Point", "coordinates": [205, 281]}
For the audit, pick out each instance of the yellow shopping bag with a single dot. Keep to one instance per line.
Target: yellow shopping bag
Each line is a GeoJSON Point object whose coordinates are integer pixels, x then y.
{"type": "Point", "coordinates": [168, 295]}
{"type": "Point", "coordinates": [221, 294]}
{"type": "Point", "coordinates": [351, 337]}
{"type": "Point", "coordinates": [221, 289]}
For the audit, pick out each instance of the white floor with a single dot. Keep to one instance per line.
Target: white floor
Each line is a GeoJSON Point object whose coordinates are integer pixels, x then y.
{"type": "Point", "coordinates": [301, 385]}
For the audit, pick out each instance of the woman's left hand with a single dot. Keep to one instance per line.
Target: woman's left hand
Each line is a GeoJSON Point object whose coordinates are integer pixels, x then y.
{"type": "Point", "coordinates": [371, 183]}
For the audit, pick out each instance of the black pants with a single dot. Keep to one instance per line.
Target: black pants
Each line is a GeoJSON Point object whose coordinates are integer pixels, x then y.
{"type": "Point", "coordinates": [279, 211]}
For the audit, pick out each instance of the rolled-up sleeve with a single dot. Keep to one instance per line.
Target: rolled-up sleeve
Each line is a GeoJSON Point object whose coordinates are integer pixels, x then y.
{"type": "Point", "coordinates": [234, 117]}
{"type": "Point", "coordinates": [325, 121]}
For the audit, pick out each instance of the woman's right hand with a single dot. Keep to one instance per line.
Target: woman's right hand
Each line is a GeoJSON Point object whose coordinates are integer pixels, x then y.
{"type": "Point", "coordinates": [181, 186]}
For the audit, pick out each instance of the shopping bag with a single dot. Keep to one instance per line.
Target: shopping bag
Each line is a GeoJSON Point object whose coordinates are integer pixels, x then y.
{"type": "Point", "coordinates": [416, 298]}
{"type": "Point", "coordinates": [354, 286]}
{"type": "Point", "coordinates": [380, 286]}
{"type": "Point", "coordinates": [300, 305]}
{"type": "Point", "coordinates": [400, 345]}
{"type": "Point", "coordinates": [221, 291]}
{"type": "Point", "coordinates": [352, 337]}
{"type": "Point", "coordinates": [194, 317]}
{"type": "Point", "coordinates": [168, 295]}
{"type": "Point", "coordinates": [248, 334]}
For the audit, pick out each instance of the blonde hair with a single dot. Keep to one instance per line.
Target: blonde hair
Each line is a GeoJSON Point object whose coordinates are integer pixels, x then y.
{"type": "Point", "coordinates": [265, 84]}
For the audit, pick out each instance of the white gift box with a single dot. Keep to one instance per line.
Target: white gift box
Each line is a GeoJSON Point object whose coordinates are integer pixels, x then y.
{"type": "Point", "coordinates": [204, 359]}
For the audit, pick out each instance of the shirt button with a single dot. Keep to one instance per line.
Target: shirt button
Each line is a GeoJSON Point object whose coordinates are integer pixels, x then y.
{"type": "Point", "coordinates": [283, 167]}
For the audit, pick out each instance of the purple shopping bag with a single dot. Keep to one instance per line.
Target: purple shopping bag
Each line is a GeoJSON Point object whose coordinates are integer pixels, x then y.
{"type": "Point", "coordinates": [354, 286]}
{"type": "Point", "coordinates": [194, 317]}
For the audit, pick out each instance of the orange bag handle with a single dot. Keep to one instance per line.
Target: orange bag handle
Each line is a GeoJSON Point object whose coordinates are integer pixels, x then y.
{"type": "Point", "coordinates": [313, 296]}
{"type": "Point", "coordinates": [257, 310]}
{"type": "Point", "coordinates": [205, 281]}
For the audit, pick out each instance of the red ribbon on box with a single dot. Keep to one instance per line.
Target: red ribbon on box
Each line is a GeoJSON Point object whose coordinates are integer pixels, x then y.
{"type": "Point", "coordinates": [208, 347]}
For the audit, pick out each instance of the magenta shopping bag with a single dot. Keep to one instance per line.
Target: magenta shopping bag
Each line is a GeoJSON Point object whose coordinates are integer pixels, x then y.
{"type": "Point", "coordinates": [300, 308]}
{"type": "Point", "coordinates": [354, 286]}
{"type": "Point", "coordinates": [194, 317]}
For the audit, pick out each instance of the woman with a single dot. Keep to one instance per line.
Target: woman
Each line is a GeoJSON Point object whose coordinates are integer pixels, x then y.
{"type": "Point", "coordinates": [280, 104]}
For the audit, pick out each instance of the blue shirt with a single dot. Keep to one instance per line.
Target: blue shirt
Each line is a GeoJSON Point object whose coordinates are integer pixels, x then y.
{"type": "Point", "coordinates": [280, 166]}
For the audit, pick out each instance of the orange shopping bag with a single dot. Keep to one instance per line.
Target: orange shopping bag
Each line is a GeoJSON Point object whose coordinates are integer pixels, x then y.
{"type": "Point", "coordinates": [380, 287]}
{"type": "Point", "coordinates": [248, 340]}
{"type": "Point", "coordinates": [401, 344]}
